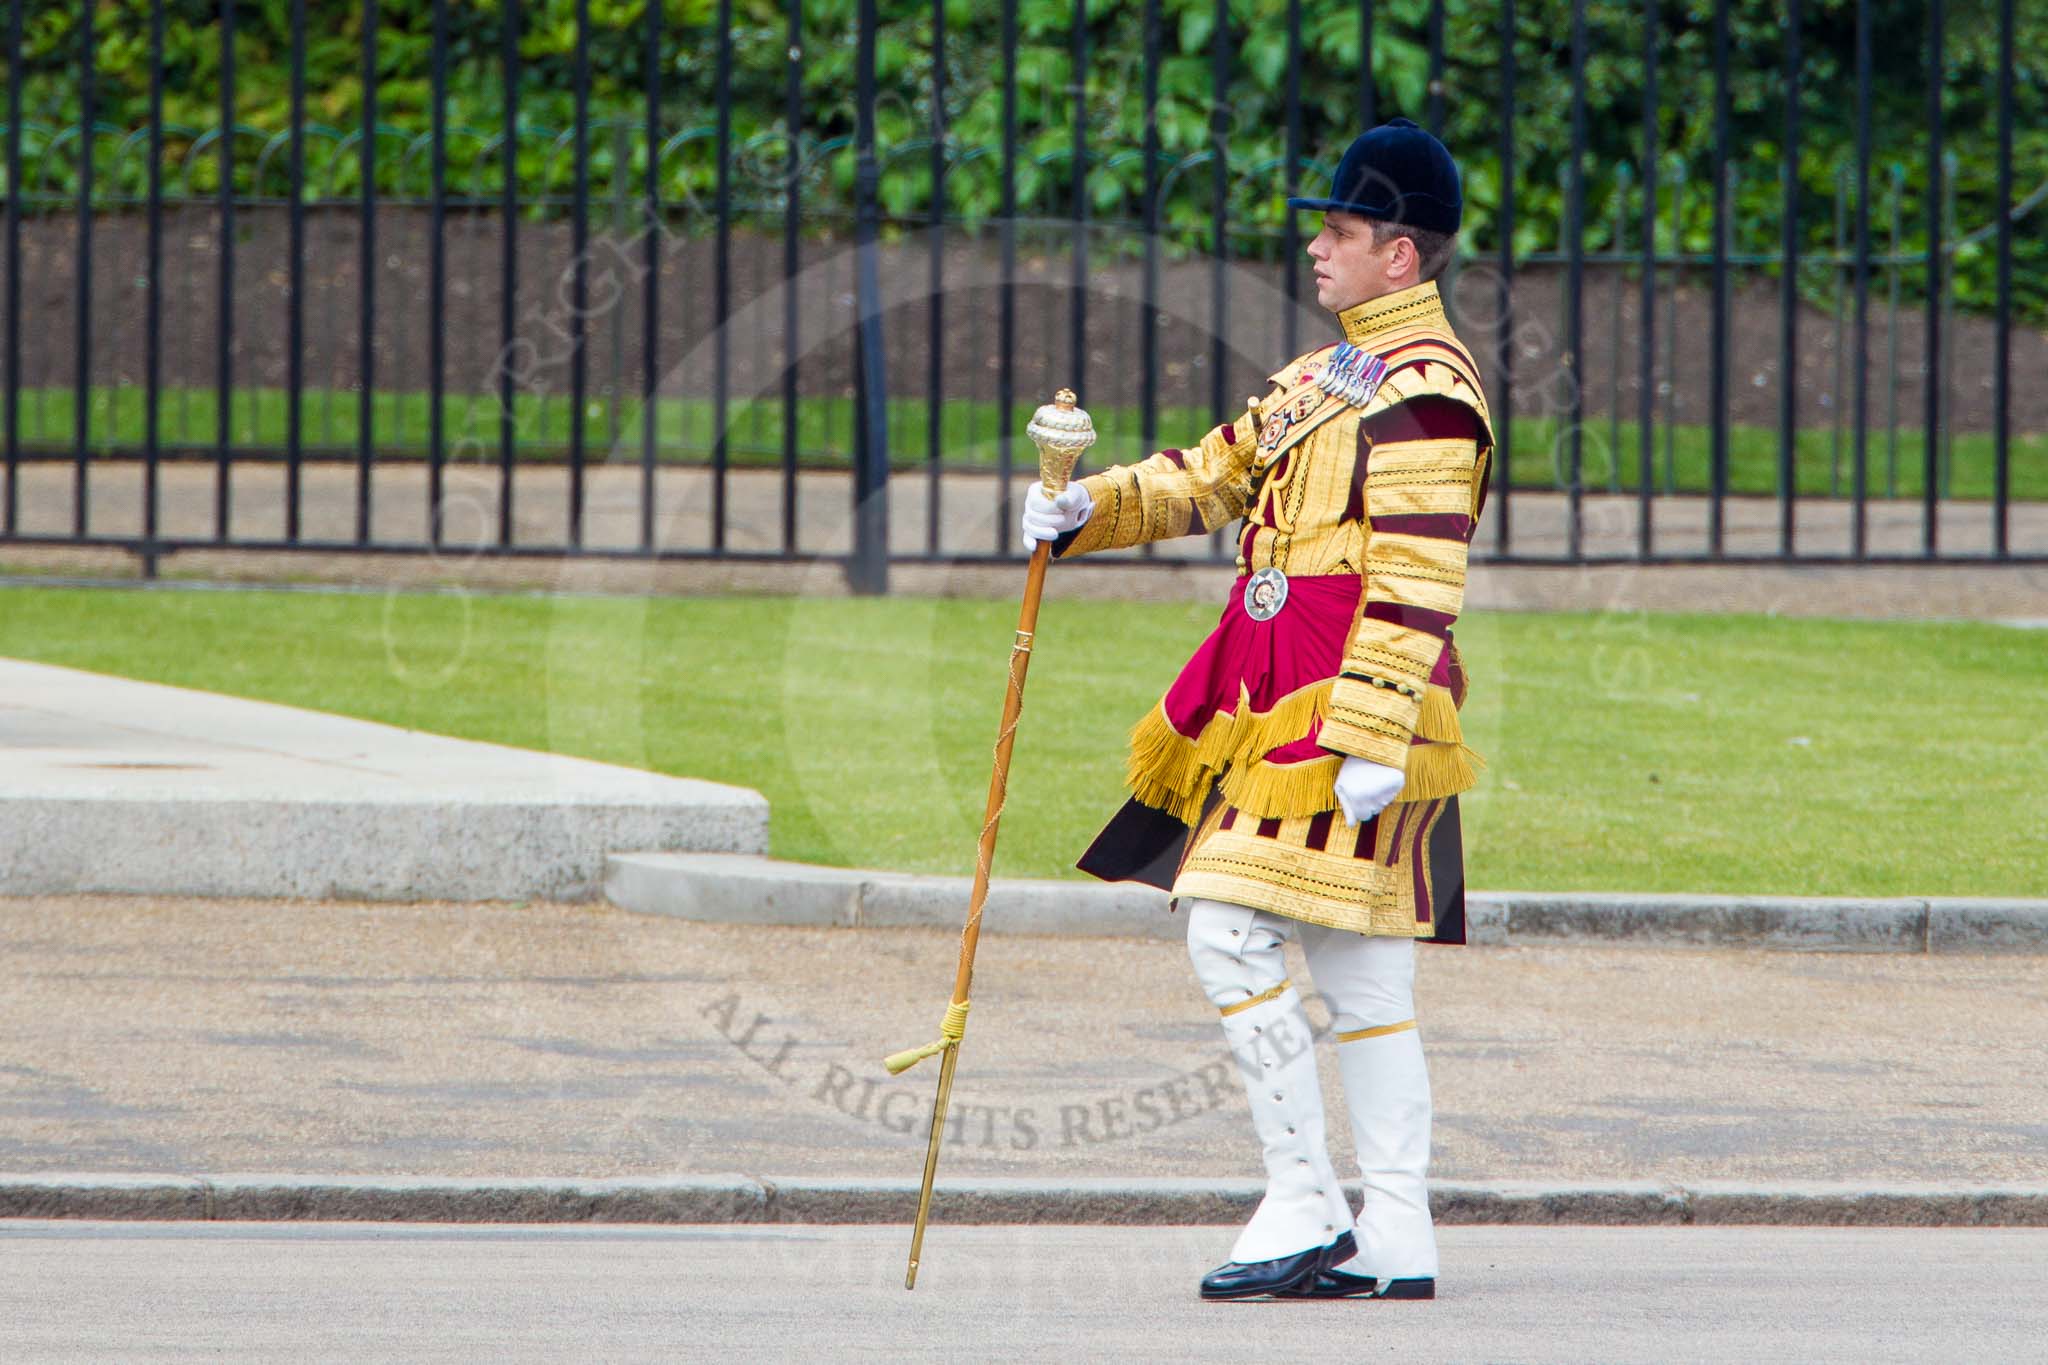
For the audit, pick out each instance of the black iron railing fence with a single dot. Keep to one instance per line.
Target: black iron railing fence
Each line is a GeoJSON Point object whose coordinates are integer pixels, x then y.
{"type": "Point", "coordinates": [669, 331]}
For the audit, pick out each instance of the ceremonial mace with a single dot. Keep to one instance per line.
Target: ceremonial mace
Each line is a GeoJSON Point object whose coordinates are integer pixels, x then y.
{"type": "Point", "coordinates": [1061, 432]}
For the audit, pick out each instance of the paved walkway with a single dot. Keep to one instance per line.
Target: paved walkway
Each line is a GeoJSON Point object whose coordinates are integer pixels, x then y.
{"type": "Point", "coordinates": [1179, 570]}
{"type": "Point", "coordinates": [153, 1035]}
{"type": "Point", "coordinates": [967, 511]}
{"type": "Point", "coordinates": [107, 784]}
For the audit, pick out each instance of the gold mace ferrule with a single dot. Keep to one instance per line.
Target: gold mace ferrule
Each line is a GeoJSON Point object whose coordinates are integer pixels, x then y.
{"type": "Point", "coordinates": [1061, 431]}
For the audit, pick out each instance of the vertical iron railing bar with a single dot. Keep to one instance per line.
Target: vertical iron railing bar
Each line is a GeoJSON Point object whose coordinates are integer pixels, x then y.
{"type": "Point", "coordinates": [1930, 473]}
{"type": "Point", "coordinates": [12, 421]}
{"type": "Point", "coordinates": [1860, 270]}
{"type": "Point", "coordinates": [1077, 311]}
{"type": "Point", "coordinates": [792, 250]}
{"type": "Point", "coordinates": [1006, 367]}
{"type": "Point", "coordinates": [295, 269]}
{"type": "Point", "coordinates": [579, 265]}
{"type": "Point", "coordinates": [721, 280]}
{"type": "Point", "coordinates": [152, 325]}
{"type": "Point", "coordinates": [1574, 303]}
{"type": "Point", "coordinates": [1614, 258]}
{"type": "Point", "coordinates": [2001, 364]}
{"type": "Point", "coordinates": [935, 329]}
{"type": "Point", "coordinates": [82, 349]}
{"type": "Point", "coordinates": [1718, 370]}
{"type": "Point", "coordinates": [1788, 287]}
{"type": "Point", "coordinates": [366, 362]}
{"type": "Point", "coordinates": [1148, 322]}
{"type": "Point", "coordinates": [437, 275]}
{"type": "Point", "coordinates": [1504, 339]}
{"type": "Point", "coordinates": [869, 567]}
{"type": "Point", "coordinates": [224, 327]}
{"type": "Point", "coordinates": [1646, 323]}
{"type": "Point", "coordinates": [508, 263]}
{"type": "Point", "coordinates": [650, 275]}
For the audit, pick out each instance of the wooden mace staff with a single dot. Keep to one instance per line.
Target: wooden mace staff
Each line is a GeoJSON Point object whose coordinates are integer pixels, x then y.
{"type": "Point", "coordinates": [1061, 431]}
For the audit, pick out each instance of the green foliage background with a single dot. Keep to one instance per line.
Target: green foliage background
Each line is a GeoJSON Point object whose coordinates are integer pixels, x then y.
{"type": "Point", "coordinates": [1253, 110]}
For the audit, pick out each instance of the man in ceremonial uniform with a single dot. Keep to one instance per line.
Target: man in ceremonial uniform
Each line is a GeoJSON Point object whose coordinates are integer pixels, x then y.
{"type": "Point", "coordinates": [1300, 777]}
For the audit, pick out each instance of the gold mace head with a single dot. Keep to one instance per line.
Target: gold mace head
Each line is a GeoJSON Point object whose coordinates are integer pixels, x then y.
{"type": "Point", "coordinates": [1061, 432]}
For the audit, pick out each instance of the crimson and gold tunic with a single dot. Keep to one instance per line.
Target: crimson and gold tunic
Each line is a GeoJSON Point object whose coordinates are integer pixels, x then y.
{"type": "Point", "coordinates": [1368, 510]}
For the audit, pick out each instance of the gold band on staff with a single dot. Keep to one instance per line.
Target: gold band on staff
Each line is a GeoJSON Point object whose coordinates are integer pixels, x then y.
{"type": "Point", "coordinates": [1061, 431]}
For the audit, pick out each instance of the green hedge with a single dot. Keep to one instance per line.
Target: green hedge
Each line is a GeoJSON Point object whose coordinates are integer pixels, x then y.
{"type": "Point", "coordinates": [1114, 104]}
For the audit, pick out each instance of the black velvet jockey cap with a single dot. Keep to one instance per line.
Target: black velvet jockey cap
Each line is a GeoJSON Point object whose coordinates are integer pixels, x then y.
{"type": "Point", "coordinates": [1397, 173]}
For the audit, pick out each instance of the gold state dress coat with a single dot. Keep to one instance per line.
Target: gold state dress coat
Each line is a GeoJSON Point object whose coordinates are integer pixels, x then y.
{"type": "Point", "coordinates": [1360, 475]}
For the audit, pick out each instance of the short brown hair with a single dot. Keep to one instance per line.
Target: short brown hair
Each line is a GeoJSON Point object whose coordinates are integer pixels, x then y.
{"type": "Point", "coordinates": [1434, 249]}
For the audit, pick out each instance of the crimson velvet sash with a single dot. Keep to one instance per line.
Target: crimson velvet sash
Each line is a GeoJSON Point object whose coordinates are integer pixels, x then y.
{"type": "Point", "coordinates": [1258, 664]}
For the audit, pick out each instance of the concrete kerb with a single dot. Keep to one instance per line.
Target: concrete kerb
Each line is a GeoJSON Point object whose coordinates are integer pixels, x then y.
{"type": "Point", "coordinates": [747, 889]}
{"type": "Point", "coordinates": [114, 785]}
{"type": "Point", "coordinates": [729, 1199]}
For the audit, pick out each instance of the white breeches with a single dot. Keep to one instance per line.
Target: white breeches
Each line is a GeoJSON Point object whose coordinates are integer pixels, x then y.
{"type": "Point", "coordinates": [1368, 983]}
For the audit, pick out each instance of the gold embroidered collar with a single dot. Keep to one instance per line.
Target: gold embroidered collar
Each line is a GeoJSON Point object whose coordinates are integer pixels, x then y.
{"type": "Point", "coordinates": [1417, 305]}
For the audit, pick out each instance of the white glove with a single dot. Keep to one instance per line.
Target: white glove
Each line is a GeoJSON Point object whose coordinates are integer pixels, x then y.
{"type": "Point", "coordinates": [1364, 787]}
{"type": "Point", "coordinates": [1047, 517]}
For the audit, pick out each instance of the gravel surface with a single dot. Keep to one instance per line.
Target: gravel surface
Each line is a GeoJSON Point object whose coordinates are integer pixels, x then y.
{"type": "Point", "coordinates": [146, 1034]}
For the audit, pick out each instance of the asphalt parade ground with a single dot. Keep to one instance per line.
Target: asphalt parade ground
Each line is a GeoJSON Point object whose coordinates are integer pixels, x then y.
{"type": "Point", "coordinates": [204, 1036]}
{"type": "Point", "coordinates": [176, 1292]}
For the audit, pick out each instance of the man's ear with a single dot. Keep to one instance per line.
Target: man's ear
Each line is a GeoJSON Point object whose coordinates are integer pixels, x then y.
{"type": "Point", "coordinates": [1406, 257]}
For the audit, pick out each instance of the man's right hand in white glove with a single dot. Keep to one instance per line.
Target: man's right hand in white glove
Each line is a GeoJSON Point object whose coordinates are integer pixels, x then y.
{"type": "Point", "coordinates": [1364, 788]}
{"type": "Point", "coordinates": [1047, 517]}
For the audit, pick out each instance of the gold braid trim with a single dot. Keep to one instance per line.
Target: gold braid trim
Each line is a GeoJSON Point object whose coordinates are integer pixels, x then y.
{"type": "Point", "coordinates": [1249, 1002]}
{"type": "Point", "coordinates": [1359, 1035]}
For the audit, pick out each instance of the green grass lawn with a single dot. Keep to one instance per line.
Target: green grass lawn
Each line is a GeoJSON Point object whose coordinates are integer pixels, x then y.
{"type": "Point", "coordinates": [1628, 751]}
{"type": "Point", "coordinates": [967, 438]}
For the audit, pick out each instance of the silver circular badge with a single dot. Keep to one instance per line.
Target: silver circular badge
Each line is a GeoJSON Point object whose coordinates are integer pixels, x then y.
{"type": "Point", "coordinates": [1264, 594]}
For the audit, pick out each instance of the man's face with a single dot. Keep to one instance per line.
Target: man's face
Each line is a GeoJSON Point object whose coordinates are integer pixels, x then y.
{"type": "Point", "coordinates": [1349, 268]}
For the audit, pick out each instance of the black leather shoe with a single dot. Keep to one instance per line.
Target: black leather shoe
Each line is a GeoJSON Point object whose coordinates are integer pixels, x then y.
{"type": "Point", "coordinates": [1283, 1274]}
{"type": "Point", "coordinates": [1342, 1284]}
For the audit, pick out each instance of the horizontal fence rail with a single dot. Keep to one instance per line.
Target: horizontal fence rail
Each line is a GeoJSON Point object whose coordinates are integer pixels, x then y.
{"type": "Point", "coordinates": [744, 282]}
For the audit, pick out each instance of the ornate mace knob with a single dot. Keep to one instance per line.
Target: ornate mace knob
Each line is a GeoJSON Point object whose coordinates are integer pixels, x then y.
{"type": "Point", "coordinates": [1061, 432]}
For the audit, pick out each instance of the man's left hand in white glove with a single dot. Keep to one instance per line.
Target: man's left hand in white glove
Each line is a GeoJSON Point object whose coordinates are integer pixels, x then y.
{"type": "Point", "coordinates": [1364, 787]}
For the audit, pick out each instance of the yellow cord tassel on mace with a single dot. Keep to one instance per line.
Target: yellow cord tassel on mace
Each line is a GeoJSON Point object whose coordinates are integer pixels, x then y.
{"type": "Point", "coordinates": [1061, 432]}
